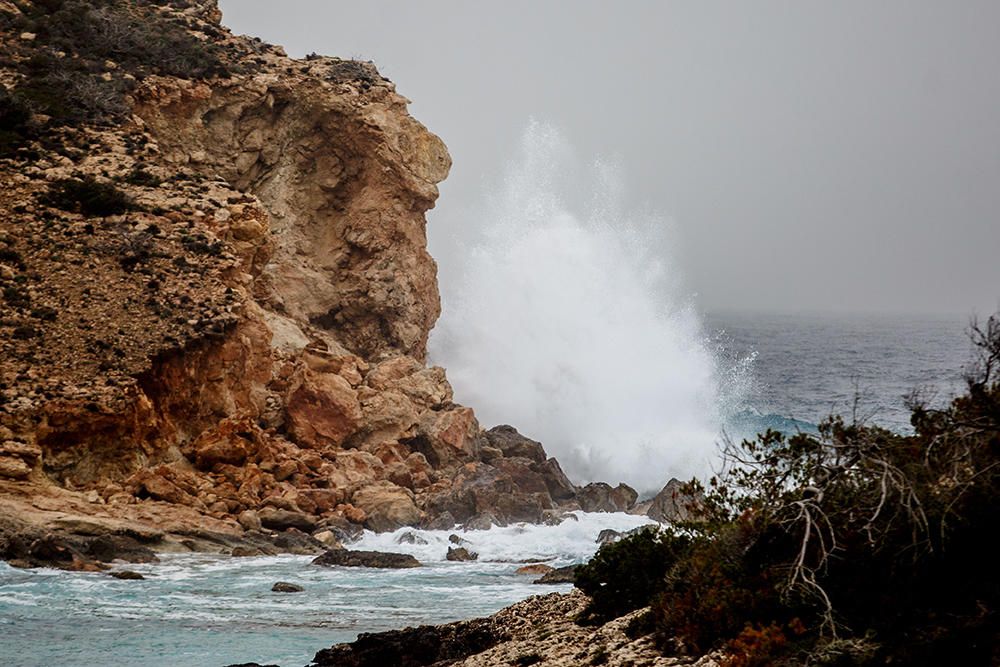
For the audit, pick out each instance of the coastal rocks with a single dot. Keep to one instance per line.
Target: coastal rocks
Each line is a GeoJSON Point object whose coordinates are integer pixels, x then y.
{"type": "Point", "coordinates": [127, 575]}
{"type": "Point", "coordinates": [560, 575]}
{"type": "Point", "coordinates": [534, 569]}
{"type": "Point", "coordinates": [376, 559]}
{"type": "Point", "coordinates": [673, 504]}
{"type": "Point", "coordinates": [323, 409]}
{"type": "Point", "coordinates": [461, 554]}
{"type": "Point", "coordinates": [540, 630]}
{"type": "Point", "coordinates": [415, 647]}
{"type": "Point", "coordinates": [280, 519]}
{"type": "Point", "coordinates": [286, 587]}
{"type": "Point", "coordinates": [601, 497]}
{"type": "Point", "coordinates": [512, 444]}
{"type": "Point", "coordinates": [387, 507]}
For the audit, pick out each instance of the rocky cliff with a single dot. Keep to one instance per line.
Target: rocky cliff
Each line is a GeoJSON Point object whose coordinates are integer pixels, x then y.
{"type": "Point", "coordinates": [217, 293]}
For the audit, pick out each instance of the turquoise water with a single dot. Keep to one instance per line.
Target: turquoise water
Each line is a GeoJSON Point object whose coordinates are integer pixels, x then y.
{"type": "Point", "coordinates": [207, 610]}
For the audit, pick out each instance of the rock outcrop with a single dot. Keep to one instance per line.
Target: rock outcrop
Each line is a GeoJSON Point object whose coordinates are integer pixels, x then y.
{"type": "Point", "coordinates": [540, 630]}
{"type": "Point", "coordinates": [216, 291]}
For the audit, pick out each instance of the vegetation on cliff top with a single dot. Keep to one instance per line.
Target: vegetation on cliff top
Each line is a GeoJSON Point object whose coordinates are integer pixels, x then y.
{"type": "Point", "coordinates": [78, 61]}
{"type": "Point", "coordinates": [855, 546]}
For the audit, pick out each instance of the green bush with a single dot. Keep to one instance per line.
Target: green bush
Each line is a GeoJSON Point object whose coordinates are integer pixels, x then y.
{"type": "Point", "coordinates": [851, 546]}
{"type": "Point", "coordinates": [625, 575]}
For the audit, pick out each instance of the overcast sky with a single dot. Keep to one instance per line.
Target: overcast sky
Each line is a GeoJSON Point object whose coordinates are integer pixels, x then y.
{"type": "Point", "coordinates": [812, 156]}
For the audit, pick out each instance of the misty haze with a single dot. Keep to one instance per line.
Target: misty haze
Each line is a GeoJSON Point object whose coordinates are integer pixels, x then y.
{"type": "Point", "coordinates": [486, 334]}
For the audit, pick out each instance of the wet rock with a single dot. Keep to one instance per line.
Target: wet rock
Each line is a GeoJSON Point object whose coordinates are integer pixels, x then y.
{"type": "Point", "coordinates": [378, 559]}
{"type": "Point", "coordinates": [601, 497]}
{"type": "Point", "coordinates": [286, 587]}
{"type": "Point", "coordinates": [410, 537]}
{"type": "Point", "coordinates": [534, 568]}
{"type": "Point", "coordinates": [443, 521]}
{"type": "Point", "coordinates": [461, 554]}
{"type": "Point", "coordinates": [513, 444]}
{"type": "Point", "coordinates": [560, 575]}
{"type": "Point", "coordinates": [608, 536]}
{"type": "Point", "coordinates": [456, 539]}
{"type": "Point", "coordinates": [482, 521]}
{"type": "Point", "coordinates": [328, 539]}
{"type": "Point", "coordinates": [561, 490]}
{"type": "Point", "coordinates": [415, 647]}
{"type": "Point", "coordinates": [107, 548]}
{"type": "Point", "coordinates": [294, 541]}
{"type": "Point", "coordinates": [126, 574]}
{"type": "Point", "coordinates": [279, 519]}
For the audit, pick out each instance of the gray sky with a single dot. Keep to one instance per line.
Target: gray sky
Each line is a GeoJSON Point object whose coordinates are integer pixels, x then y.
{"type": "Point", "coordinates": [812, 156]}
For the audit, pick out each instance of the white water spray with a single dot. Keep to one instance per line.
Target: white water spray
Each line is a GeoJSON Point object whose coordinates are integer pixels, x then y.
{"type": "Point", "coordinates": [570, 325]}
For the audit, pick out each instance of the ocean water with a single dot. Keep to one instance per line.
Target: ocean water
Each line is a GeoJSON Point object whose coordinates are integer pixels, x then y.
{"type": "Point", "coordinates": [206, 610]}
{"type": "Point", "coordinates": [211, 610]}
{"type": "Point", "coordinates": [807, 367]}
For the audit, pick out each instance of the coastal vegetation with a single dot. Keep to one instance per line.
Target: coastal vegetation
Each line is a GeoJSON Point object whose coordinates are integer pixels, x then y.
{"type": "Point", "coordinates": [853, 546]}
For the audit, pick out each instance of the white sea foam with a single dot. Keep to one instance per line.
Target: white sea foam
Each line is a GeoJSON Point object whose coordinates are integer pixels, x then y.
{"type": "Point", "coordinates": [572, 541]}
{"type": "Point", "coordinates": [570, 322]}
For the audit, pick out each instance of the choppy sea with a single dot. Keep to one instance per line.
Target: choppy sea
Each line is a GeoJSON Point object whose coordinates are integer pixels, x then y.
{"type": "Point", "coordinates": [207, 610]}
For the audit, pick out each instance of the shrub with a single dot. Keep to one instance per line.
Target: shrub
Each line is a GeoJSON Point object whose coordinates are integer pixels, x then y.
{"type": "Point", "coordinates": [847, 546]}
{"type": "Point", "coordinates": [88, 196]}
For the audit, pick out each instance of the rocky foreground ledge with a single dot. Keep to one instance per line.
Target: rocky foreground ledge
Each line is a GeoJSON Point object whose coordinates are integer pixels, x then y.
{"type": "Point", "coordinates": [538, 631]}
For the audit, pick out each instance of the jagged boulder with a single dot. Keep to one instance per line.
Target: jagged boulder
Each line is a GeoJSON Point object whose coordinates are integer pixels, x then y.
{"type": "Point", "coordinates": [673, 504]}
{"type": "Point", "coordinates": [376, 559]}
{"type": "Point", "coordinates": [601, 497]}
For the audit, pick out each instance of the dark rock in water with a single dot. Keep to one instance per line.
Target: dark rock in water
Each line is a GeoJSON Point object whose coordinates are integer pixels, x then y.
{"type": "Point", "coordinates": [461, 554]}
{"type": "Point", "coordinates": [286, 587]}
{"type": "Point", "coordinates": [443, 521]}
{"type": "Point", "coordinates": [560, 575]}
{"type": "Point", "coordinates": [535, 569]}
{"type": "Point", "coordinates": [455, 539]}
{"type": "Point", "coordinates": [607, 536]}
{"type": "Point", "coordinates": [278, 519]}
{"type": "Point", "coordinates": [415, 647]}
{"type": "Point", "coordinates": [409, 537]}
{"type": "Point", "coordinates": [246, 552]}
{"type": "Point", "coordinates": [511, 443]}
{"type": "Point", "coordinates": [251, 664]}
{"type": "Point", "coordinates": [482, 521]}
{"type": "Point", "coordinates": [345, 531]}
{"type": "Point", "coordinates": [671, 504]}
{"type": "Point", "coordinates": [600, 497]}
{"type": "Point", "coordinates": [295, 541]}
{"type": "Point", "coordinates": [126, 574]}
{"type": "Point", "coordinates": [107, 548]}
{"type": "Point", "coordinates": [382, 559]}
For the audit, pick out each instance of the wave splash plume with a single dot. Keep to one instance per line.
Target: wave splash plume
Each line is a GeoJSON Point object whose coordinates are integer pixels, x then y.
{"type": "Point", "coordinates": [570, 323]}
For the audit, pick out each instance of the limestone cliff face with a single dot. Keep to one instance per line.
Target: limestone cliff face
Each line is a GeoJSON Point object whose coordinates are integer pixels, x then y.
{"type": "Point", "coordinates": [219, 295]}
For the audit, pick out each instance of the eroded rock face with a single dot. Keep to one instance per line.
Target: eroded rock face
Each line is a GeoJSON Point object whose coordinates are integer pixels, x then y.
{"type": "Point", "coordinates": [244, 338]}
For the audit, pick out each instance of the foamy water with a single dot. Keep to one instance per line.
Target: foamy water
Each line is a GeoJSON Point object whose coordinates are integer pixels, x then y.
{"type": "Point", "coordinates": [566, 317]}
{"type": "Point", "coordinates": [201, 609]}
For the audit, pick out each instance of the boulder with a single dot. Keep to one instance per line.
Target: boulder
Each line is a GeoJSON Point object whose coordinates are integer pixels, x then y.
{"type": "Point", "coordinates": [322, 409]}
{"type": "Point", "coordinates": [601, 497]}
{"type": "Point", "coordinates": [560, 489]}
{"type": "Point", "coordinates": [461, 554]}
{"type": "Point", "coordinates": [535, 569]}
{"type": "Point", "coordinates": [107, 548]}
{"type": "Point", "coordinates": [387, 507]}
{"type": "Point", "coordinates": [377, 559]}
{"type": "Point", "coordinates": [513, 444]}
{"type": "Point", "coordinates": [560, 575]}
{"type": "Point", "coordinates": [281, 519]}
{"type": "Point", "coordinates": [126, 574]}
{"type": "Point", "coordinates": [672, 504]}
{"type": "Point", "coordinates": [286, 587]}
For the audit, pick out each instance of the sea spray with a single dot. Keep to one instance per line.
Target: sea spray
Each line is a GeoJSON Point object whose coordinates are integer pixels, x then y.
{"type": "Point", "coordinates": [570, 323]}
